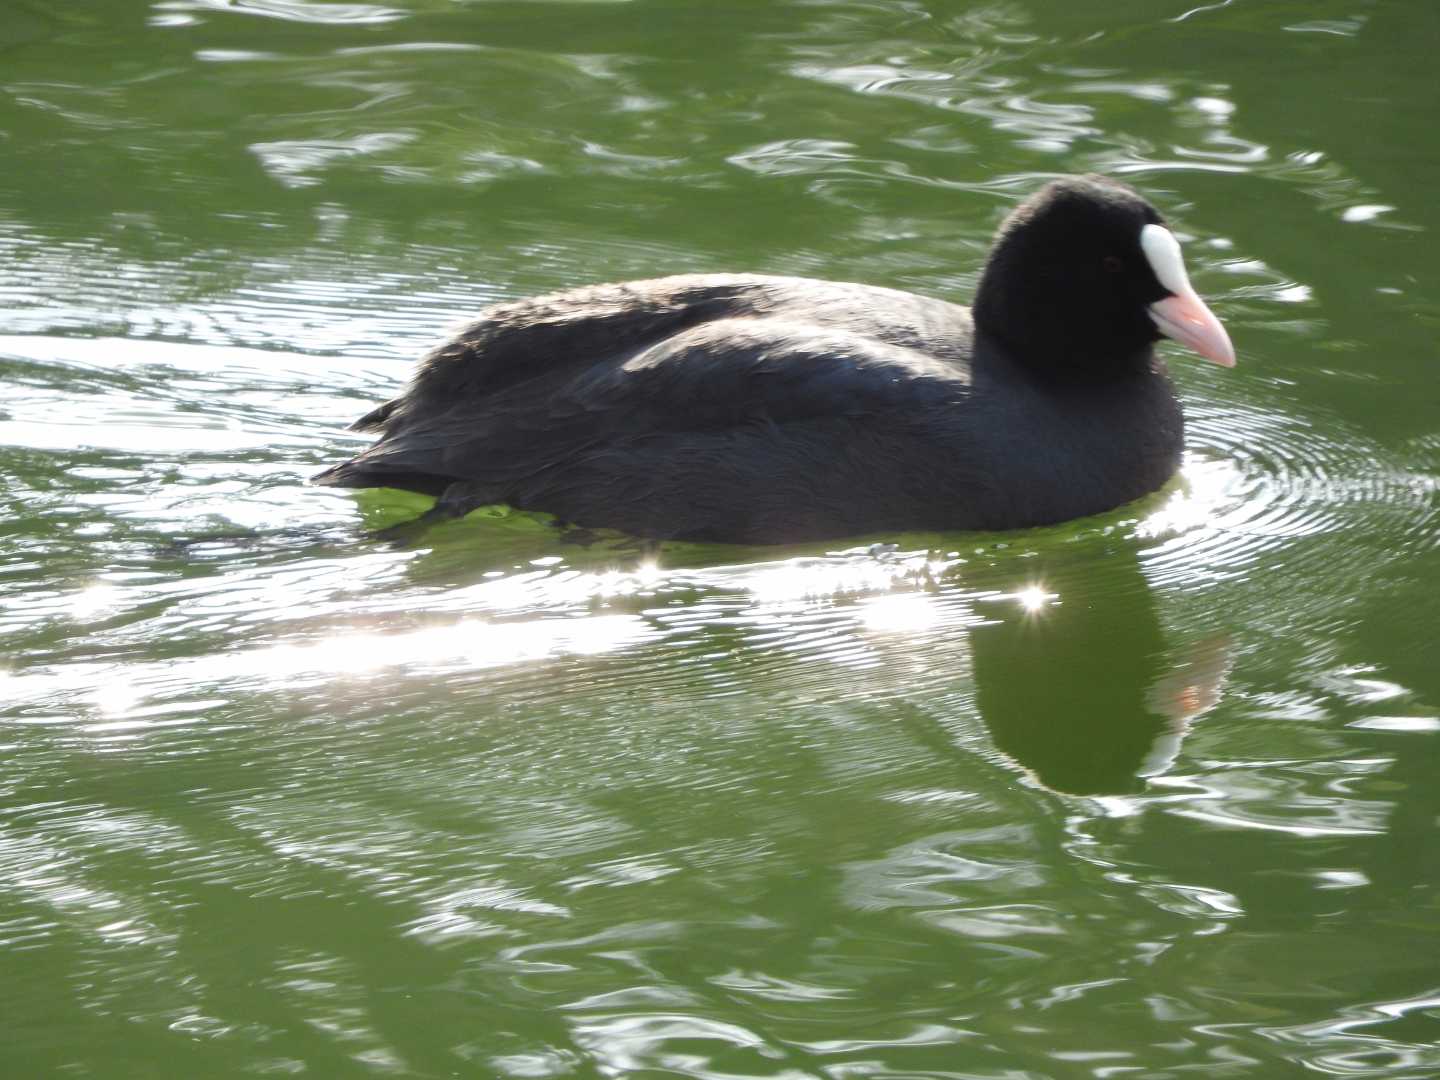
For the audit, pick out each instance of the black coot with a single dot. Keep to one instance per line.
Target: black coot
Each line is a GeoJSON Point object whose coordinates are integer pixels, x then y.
{"type": "Point", "coordinates": [754, 409]}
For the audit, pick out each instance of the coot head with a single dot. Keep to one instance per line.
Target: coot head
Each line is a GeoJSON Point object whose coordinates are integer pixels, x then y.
{"type": "Point", "coordinates": [1084, 278]}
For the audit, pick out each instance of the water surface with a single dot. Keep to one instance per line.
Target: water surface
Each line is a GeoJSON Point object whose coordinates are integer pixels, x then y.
{"type": "Point", "coordinates": [1149, 794]}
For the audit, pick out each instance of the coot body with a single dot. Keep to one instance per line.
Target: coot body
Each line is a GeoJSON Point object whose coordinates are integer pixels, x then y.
{"type": "Point", "coordinates": [756, 409]}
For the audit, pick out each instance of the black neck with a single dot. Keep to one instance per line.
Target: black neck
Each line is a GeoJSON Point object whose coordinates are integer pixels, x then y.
{"type": "Point", "coordinates": [1056, 338]}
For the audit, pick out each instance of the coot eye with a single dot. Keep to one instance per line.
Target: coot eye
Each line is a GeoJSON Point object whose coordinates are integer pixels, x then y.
{"type": "Point", "coordinates": [1114, 264]}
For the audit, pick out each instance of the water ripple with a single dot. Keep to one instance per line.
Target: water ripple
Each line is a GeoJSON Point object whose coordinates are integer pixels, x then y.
{"type": "Point", "coordinates": [188, 12]}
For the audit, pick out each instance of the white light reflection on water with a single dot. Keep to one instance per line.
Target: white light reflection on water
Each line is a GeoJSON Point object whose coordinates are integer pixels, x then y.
{"type": "Point", "coordinates": [551, 585]}
{"type": "Point", "coordinates": [188, 12]}
{"type": "Point", "coordinates": [475, 643]}
{"type": "Point", "coordinates": [309, 624]}
{"type": "Point", "coordinates": [93, 601]}
{"type": "Point", "coordinates": [1034, 599]}
{"type": "Point", "coordinates": [117, 697]}
{"type": "Point", "coordinates": [111, 693]}
{"type": "Point", "coordinates": [814, 580]}
{"type": "Point", "coordinates": [1203, 489]}
{"type": "Point", "coordinates": [904, 613]}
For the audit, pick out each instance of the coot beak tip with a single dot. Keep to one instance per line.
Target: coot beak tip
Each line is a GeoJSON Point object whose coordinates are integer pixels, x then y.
{"type": "Point", "coordinates": [1185, 318]}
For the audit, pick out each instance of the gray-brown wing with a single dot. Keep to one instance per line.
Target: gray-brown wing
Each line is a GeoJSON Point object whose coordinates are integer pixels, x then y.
{"type": "Point", "coordinates": [727, 375]}
{"type": "Point", "coordinates": [515, 342]}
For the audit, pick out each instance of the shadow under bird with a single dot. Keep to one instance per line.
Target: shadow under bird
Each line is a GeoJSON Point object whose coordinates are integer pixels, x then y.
{"type": "Point", "coordinates": [754, 409]}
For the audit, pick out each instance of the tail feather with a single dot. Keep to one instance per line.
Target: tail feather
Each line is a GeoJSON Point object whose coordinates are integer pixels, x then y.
{"type": "Point", "coordinates": [357, 473]}
{"type": "Point", "coordinates": [376, 418]}
{"type": "Point", "coordinates": [346, 474]}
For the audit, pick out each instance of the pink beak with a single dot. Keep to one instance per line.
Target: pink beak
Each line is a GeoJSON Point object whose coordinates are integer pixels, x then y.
{"type": "Point", "coordinates": [1185, 318]}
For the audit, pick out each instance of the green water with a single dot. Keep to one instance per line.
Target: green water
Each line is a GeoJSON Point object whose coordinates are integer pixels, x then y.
{"type": "Point", "coordinates": [1148, 795]}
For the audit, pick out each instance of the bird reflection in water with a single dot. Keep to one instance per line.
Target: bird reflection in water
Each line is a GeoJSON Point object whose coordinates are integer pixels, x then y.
{"type": "Point", "coordinates": [1078, 685]}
